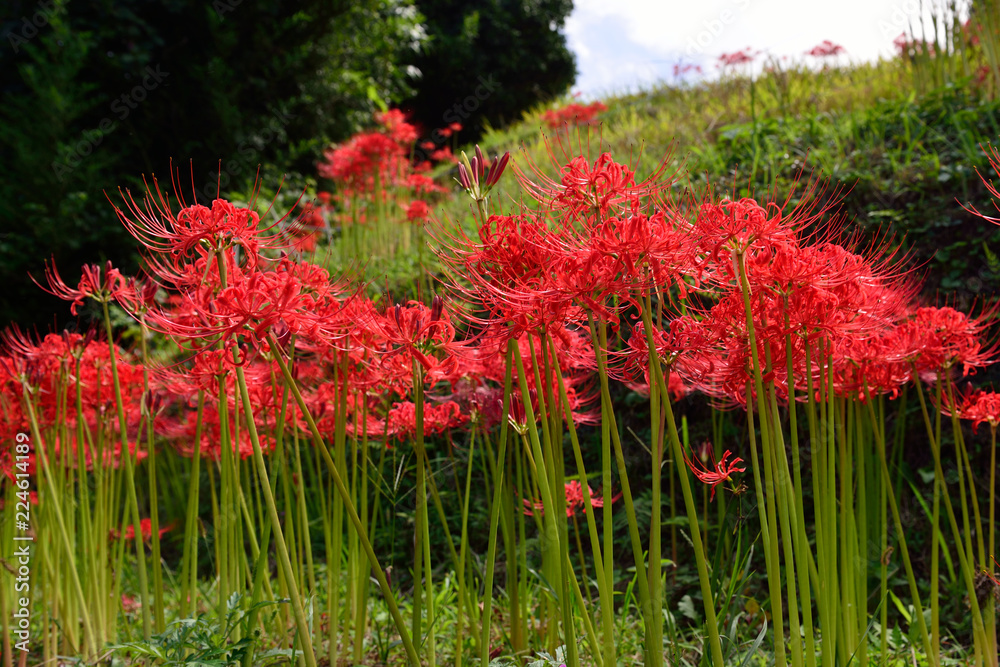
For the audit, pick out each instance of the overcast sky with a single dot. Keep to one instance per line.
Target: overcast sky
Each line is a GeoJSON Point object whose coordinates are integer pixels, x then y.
{"type": "Point", "coordinates": [625, 44]}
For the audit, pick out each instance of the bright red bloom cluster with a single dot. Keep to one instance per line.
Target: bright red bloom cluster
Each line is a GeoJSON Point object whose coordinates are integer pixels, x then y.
{"type": "Point", "coordinates": [728, 291]}
{"type": "Point", "coordinates": [978, 406]}
{"type": "Point", "coordinates": [742, 57]}
{"type": "Point", "coordinates": [826, 49]}
{"type": "Point", "coordinates": [379, 159]}
{"type": "Point", "coordinates": [574, 114]}
{"type": "Point", "coordinates": [575, 501]}
{"type": "Point", "coordinates": [55, 369]}
{"type": "Point", "coordinates": [145, 529]}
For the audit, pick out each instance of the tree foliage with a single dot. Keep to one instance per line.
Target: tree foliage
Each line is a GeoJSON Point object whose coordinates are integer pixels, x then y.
{"type": "Point", "coordinates": [96, 94]}
{"type": "Point", "coordinates": [488, 62]}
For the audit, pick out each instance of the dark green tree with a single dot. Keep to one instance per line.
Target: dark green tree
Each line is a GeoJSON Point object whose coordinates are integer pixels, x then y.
{"type": "Point", "coordinates": [489, 61]}
{"type": "Point", "coordinates": [98, 93]}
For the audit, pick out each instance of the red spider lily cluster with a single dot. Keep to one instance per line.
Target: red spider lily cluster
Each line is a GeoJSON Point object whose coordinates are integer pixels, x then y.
{"type": "Point", "coordinates": [145, 529]}
{"type": "Point", "coordinates": [742, 57]}
{"type": "Point", "coordinates": [57, 371]}
{"type": "Point", "coordinates": [680, 69]}
{"type": "Point", "coordinates": [978, 406]}
{"type": "Point", "coordinates": [574, 114]}
{"type": "Point", "coordinates": [378, 166]}
{"type": "Point", "coordinates": [219, 286]}
{"type": "Point", "coordinates": [826, 49]}
{"type": "Point", "coordinates": [909, 49]}
{"type": "Point", "coordinates": [575, 502]}
{"type": "Point", "coordinates": [597, 246]}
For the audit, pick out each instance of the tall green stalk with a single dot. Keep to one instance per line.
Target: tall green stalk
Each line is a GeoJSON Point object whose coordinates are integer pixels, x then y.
{"type": "Point", "coordinates": [140, 548]}
{"type": "Point", "coordinates": [352, 514]}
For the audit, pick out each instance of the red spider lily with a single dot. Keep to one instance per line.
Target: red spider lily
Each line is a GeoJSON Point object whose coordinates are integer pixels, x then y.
{"type": "Point", "coordinates": [586, 189]}
{"type": "Point", "coordinates": [574, 500]}
{"type": "Point", "coordinates": [715, 473]}
{"type": "Point", "coordinates": [290, 298]}
{"type": "Point", "coordinates": [573, 114]}
{"type": "Point", "coordinates": [371, 158]}
{"type": "Point", "coordinates": [422, 184]}
{"type": "Point", "coordinates": [601, 246]}
{"type": "Point", "coordinates": [417, 210]}
{"type": "Point", "coordinates": [595, 187]}
{"type": "Point", "coordinates": [736, 226]}
{"type": "Point", "coordinates": [635, 360]}
{"type": "Point", "coordinates": [993, 155]}
{"type": "Point", "coordinates": [743, 57]}
{"type": "Point", "coordinates": [418, 332]}
{"type": "Point", "coordinates": [57, 365]}
{"type": "Point", "coordinates": [443, 154]}
{"type": "Point", "coordinates": [978, 406]}
{"type": "Point", "coordinates": [145, 528]}
{"type": "Point", "coordinates": [365, 158]}
{"type": "Point", "coordinates": [908, 48]}
{"type": "Point", "coordinates": [944, 338]}
{"type": "Point", "coordinates": [636, 252]}
{"type": "Point", "coordinates": [195, 231]}
{"type": "Point", "coordinates": [682, 69]}
{"type": "Point", "coordinates": [139, 295]}
{"type": "Point", "coordinates": [866, 366]}
{"type": "Point", "coordinates": [252, 304]}
{"type": "Point", "coordinates": [401, 421]}
{"type": "Point", "coordinates": [826, 49]}
{"type": "Point", "coordinates": [182, 432]}
{"type": "Point", "coordinates": [394, 122]}
{"type": "Point", "coordinates": [94, 284]}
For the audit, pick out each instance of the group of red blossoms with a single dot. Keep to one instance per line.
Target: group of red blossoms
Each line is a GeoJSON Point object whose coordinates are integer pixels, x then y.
{"type": "Point", "coordinates": [596, 249]}
{"type": "Point", "coordinates": [596, 245]}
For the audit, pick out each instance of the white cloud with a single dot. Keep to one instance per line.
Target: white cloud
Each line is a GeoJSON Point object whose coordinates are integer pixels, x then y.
{"type": "Point", "coordinates": [636, 42]}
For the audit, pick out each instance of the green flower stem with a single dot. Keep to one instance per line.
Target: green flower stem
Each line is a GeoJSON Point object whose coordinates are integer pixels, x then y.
{"type": "Point", "coordinates": [91, 646]}
{"type": "Point", "coordinates": [334, 562]}
{"type": "Point", "coordinates": [90, 565]}
{"type": "Point", "coordinates": [701, 561]}
{"type": "Point", "coordinates": [422, 529]}
{"type": "Point", "coordinates": [883, 509]}
{"type": "Point", "coordinates": [284, 562]}
{"type": "Point", "coordinates": [140, 548]}
{"type": "Point", "coordinates": [932, 659]}
{"type": "Point", "coordinates": [463, 553]}
{"type": "Point", "coordinates": [338, 481]}
{"type": "Point", "coordinates": [657, 423]}
{"type": "Point", "coordinates": [769, 527]}
{"type": "Point", "coordinates": [550, 536]}
{"type": "Point", "coordinates": [649, 615]}
{"type": "Point", "coordinates": [991, 615]}
{"type": "Point", "coordinates": [465, 602]}
{"type": "Point", "coordinates": [604, 593]}
{"type": "Point", "coordinates": [154, 513]}
{"type": "Point", "coordinates": [498, 486]}
{"type": "Point", "coordinates": [803, 556]}
{"type": "Point", "coordinates": [979, 632]}
{"type": "Point", "coordinates": [555, 464]}
{"type": "Point", "coordinates": [189, 561]}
